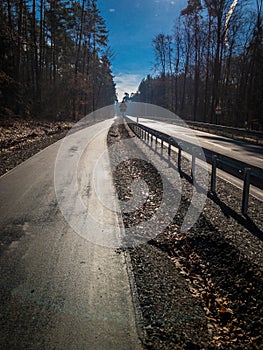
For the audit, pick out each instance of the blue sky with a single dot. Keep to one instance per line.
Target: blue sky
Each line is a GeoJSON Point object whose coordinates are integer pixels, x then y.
{"type": "Point", "coordinates": [132, 26]}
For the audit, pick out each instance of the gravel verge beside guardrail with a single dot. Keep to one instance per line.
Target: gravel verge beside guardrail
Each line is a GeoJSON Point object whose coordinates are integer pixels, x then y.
{"type": "Point", "coordinates": [202, 289]}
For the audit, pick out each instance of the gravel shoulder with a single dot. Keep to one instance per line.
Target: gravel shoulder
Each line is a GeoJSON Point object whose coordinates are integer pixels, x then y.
{"type": "Point", "coordinates": [201, 289]}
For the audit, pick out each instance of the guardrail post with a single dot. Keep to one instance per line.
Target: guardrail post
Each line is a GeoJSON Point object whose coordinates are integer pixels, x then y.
{"type": "Point", "coordinates": [245, 196]}
{"type": "Point", "coordinates": [179, 158]}
{"type": "Point", "coordinates": [156, 140]}
{"type": "Point", "coordinates": [213, 174]}
{"type": "Point", "coordinates": [162, 147]}
{"type": "Point", "coordinates": [193, 166]}
{"type": "Point", "coordinates": [169, 151]}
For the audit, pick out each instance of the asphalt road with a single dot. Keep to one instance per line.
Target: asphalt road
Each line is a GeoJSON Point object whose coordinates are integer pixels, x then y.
{"type": "Point", "coordinates": [248, 153]}
{"type": "Point", "coordinates": [59, 289]}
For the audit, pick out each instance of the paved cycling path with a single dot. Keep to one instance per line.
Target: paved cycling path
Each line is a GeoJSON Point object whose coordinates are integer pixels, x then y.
{"type": "Point", "coordinates": [60, 290]}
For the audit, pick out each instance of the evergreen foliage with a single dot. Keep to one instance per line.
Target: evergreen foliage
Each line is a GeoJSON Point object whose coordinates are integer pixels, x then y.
{"type": "Point", "coordinates": [54, 60]}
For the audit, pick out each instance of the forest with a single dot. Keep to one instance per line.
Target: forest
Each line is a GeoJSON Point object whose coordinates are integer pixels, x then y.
{"type": "Point", "coordinates": [54, 59]}
{"type": "Point", "coordinates": [209, 68]}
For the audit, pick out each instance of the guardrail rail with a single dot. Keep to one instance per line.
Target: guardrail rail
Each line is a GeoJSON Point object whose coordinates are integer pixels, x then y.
{"type": "Point", "coordinates": [234, 133]}
{"type": "Point", "coordinates": [251, 175]}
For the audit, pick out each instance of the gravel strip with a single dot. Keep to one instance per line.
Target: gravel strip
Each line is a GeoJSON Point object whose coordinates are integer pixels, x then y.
{"type": "Point", "coordinates": [201, 289]}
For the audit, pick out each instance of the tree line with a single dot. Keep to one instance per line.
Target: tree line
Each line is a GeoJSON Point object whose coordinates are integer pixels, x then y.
{"type": "Point", "coordinates": [210, 68]}
{"type": "Point", "coordinates": [54, 58]}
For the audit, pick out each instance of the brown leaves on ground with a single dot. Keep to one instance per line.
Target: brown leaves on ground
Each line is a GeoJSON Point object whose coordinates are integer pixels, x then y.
{"type": "Point", "coordinates": [232, 319]}
{"type": "Point", "coordinates": [14, 131]}
{"type": "Point", "coordinates": [22, 138]}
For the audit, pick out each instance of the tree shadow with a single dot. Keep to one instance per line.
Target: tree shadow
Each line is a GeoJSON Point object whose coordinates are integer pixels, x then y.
{"type": "Point", "coordinates": [207, 254]}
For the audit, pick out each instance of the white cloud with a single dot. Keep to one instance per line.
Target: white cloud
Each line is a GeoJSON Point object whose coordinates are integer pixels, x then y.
{"type": "Point", "coordinates": [126, 82]}
{"type": "Point", "coordinates": [112, 10]}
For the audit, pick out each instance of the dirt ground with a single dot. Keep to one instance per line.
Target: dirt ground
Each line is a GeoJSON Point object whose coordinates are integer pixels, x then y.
{"type": "Point", "coordinates": [22, 138]}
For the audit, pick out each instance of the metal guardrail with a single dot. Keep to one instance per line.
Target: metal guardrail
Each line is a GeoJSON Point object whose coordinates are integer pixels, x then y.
{"type": "Point", "coordinates": [251, 175]}
{"type": "Point", "coordinates": [234, 133]}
